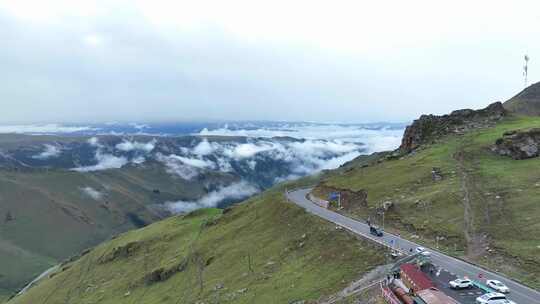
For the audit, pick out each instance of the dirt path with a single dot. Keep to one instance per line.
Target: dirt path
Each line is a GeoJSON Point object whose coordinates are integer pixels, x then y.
{"type": "Point", "coordinates": [371, 279]}
{"type": "Point", "coordinates": [474, 239]}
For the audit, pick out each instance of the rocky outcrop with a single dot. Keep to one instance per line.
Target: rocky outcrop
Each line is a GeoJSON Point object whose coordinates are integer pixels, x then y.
{"type": "Point", "coordinates": [519, 144]}
{"type": "Point", "coordinates": [527, 102]}
{"type": "Point", "coordinates": [428, 128]}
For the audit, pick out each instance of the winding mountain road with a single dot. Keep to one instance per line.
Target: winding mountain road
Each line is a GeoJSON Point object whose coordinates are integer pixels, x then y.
{"type": "Point", "coordinates": [519, 293]}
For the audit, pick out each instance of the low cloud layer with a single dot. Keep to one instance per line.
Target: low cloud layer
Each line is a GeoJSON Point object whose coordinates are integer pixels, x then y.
{"type": "Point", "coordinates": [92, 193]}
{"type": "Point", "coordinates": [376, 137]}
{"type": "Point", "coordinates": [104, 162]}
{"type": "Point", "coordinates": [186, 168]}
{"type": "Point", "coordinates": [43, 129]}
{"type": "Point", "coordinates": [127, 146]}
{"type": "Point", "coordinates": [49, 152]}
{"type": "Point", "coordinates": [213, 199]}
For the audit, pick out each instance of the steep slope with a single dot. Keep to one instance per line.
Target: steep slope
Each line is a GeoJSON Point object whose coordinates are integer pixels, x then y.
{"type": "Point", "coordinates": [455, 192]}
{"type": "Point", "coordinates": [265, 250]}
{"type": "Point", "coordinates": [49, 215]}
{"type": "Point", "coordinates": [527, 102]}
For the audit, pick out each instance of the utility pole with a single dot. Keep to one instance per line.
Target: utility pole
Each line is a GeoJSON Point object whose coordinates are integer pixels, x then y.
{"type": "Point", "coordinates": [526, 69]}
{"type": "Point", "coordinates": [382, 210]}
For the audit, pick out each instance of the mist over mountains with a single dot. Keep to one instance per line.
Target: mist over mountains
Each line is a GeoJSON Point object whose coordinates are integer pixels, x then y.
{"type": "Point", "coordinates": [255, 155]}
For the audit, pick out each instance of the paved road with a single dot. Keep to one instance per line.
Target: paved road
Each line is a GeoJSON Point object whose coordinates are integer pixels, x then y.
{"type": "Point", "coordinates": [519, 293]}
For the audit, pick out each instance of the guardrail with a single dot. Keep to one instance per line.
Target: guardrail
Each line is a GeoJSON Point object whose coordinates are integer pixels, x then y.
{"type": "Point", "coordinates": [482, 286]}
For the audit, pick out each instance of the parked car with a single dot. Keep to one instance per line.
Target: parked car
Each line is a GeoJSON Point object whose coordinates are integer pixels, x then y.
{"type": "Point", "coordinates": [493, 298]}
{"type": "Point", "coordinates": [422, 251]}
{"type": "Point", "coordinates": [376, 231]}
{"type": "Point", "coordinates": [396, 254]}
{"type": "Point", "coordinates": [498, 286]}
{"type": "Point", "coordinates": [460, 283]}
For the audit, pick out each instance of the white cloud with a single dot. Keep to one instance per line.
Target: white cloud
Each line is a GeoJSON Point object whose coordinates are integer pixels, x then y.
{"type": "Point", "coordinates": [186, 168]}
{"type": "Point", "coordinates": [104, 162]}
{"type": "Point", "coordinates": [203, 148]}
{"type": "Point", "coordinates": [43, 129]}
{"type": "Point", "coordinates": [224, 165]}
{"type": "Point", "coordinates": [343, 133]}
{"type": "Point", "coordinates": [194, 162]}
{"type": "Point", "coordinates": [318, 146]}
{"type": "Point", "coordinates": [234, 192]}
{"type": "Point", "coordinates": [138, 160]}
{"type": "Point", "coordinates": [49, 152]}
{"type": "Point", "coordinates": [248, 150]}
{"type": "Point", "coordinates": [135, 145]}
{"type": "Point", "coordinates": [92, 193]}
{"type": "Point", "coordinates": [252, 164]}
{"type": "Point", "coordinates": [94, 141]}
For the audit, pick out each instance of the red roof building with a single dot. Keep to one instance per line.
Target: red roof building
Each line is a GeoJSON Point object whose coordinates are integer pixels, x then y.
{"type": "Point", "coordinates": [414, 278]}
{"type": "Point", "coordinates": [435, 296]}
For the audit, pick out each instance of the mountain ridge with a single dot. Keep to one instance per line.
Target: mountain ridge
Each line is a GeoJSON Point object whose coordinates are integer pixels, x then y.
{"type": "Point", "coordinates": [526, 102]}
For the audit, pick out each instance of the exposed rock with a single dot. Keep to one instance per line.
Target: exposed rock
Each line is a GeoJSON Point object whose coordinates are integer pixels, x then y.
{"type": "Point", "coordinates": [428, 128]}
{"type": "Point", "coordinates": [387, 205]}
{"type": "Point", "coordinates": [164, 273]}
{"type": "Point", "coordinates": [519, 144]}
{"type": "Point", "coordinates": [219, 286]}
{"type": "Point", "coordinates": [120, 252]}
{"type": "Point", "coordinates": [436, 174]}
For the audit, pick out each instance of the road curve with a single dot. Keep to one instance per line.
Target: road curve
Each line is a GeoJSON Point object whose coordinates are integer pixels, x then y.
{"type": "Point", "coordinates": [519, 293]}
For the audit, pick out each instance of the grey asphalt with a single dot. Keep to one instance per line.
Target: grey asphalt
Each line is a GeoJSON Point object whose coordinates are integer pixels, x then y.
{"type": "Point", "coordinates": [519, 293]}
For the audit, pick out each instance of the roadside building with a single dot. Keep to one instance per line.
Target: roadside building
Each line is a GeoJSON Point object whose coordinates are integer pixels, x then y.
{"type": "Point", "coordinates": [414, 278]}
{"type": "Point", "coordinates": [434, 296]}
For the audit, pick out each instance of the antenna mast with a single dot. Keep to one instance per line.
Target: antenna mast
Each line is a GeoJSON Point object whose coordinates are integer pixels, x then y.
{"type": "Point", "coordinates": [526, 69]}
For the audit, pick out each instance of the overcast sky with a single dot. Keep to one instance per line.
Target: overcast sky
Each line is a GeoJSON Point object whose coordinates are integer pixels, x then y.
{"type": "Point", "coordinates": [348, 61]}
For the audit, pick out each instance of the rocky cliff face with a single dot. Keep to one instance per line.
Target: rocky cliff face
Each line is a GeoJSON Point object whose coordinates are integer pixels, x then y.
{"type": "Point", "coordinates": [527, 102]}
{"type": "Point", "coordinates": [519, 144]}
{"type": "Point", "coordinates": [430, 127]}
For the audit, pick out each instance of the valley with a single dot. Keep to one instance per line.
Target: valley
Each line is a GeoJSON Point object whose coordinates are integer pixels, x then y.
{"type": "Point", "coordinates": [63, 193]}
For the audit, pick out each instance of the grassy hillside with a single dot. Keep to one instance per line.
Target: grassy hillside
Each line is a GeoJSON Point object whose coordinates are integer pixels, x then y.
{"type": "Point", "coordinates": [486, 208]}
{"type": "Point", "coordinates": [527, 102]}
{"type": "Point", "coordinates": [45, 216]}
{"type": "Point", "coordinates": [265, 250]}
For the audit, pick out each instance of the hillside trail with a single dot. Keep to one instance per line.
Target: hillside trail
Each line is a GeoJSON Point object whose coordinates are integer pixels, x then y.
{"type": "Point", "coordinates": [474, 239]}
{"type": "Point", "coordinates": [370, 280]}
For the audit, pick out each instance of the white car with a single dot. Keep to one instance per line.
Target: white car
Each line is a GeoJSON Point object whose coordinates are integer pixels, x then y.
{"type": "Point", "coordinates": [422, 251]}
{"type": "Point", "coordinates": [460, 283]}
{"type": "Point", "coordinates": [498, 286]}
{"type": "Point", "coordinates": [493, 298]}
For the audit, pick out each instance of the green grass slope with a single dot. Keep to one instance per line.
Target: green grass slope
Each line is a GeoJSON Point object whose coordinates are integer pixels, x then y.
{"type": "Point", "coordinates": [52, 218]}
{"type": "Point", "coordinates": [265, 250]}
{"type": "Point", "coordinates": [486, 208]}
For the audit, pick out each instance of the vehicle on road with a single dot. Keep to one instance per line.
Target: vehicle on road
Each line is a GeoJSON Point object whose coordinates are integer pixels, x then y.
{"type": "Point", "coordinates": [422, 251]}
{"type": "Point", "coordinates": [460, 283]}
{"type": "Point", "coordinates": [497, 286]}
{"type": "Point", "coordinates": [493, 298]}
{"type": "Point", "coordinates": [396, 254]}
{"type": "Point", "coordinates": [376, 231]}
